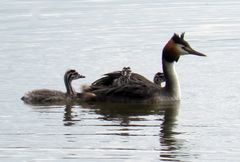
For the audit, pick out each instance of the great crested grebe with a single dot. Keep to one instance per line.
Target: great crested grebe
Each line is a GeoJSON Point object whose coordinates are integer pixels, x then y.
{"type": "Point", "coordinates": [159, 78]}
{"type": "Point", "coordinates": [141, 89]}
{"type": "Point", "coordinates": [46, 96]}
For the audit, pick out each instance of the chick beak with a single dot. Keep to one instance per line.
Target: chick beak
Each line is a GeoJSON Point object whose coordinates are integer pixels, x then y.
{"type": "Point", "coordinates": [81, 76]}
{"type": "Point", "coordinates": [193, 52]}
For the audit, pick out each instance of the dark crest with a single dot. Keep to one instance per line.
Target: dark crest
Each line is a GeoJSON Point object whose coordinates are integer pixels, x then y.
{"type": "Point", "coordinates": [182, 35]}
{"type": "Point", "coordinates": [179, 39]}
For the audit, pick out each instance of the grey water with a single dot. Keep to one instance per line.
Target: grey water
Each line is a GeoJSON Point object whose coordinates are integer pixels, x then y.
{"type": "Point", "coordinates": [41, 39]}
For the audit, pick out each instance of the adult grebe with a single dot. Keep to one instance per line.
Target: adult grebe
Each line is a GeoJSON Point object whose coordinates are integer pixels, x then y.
{"type": "Point", "coordinates": [141, 89]}
{"type": "Point", "coordinates": [46, 96]}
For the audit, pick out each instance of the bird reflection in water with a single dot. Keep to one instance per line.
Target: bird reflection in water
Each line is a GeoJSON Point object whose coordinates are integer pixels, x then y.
{"type": "Point", "coordinates": [133, 120]}
{"type": "Point", "coordinates": [128, 116]}
{"type": "Point", "coordinates": [70, 117]}
{"type": "Point", "coordinates": [170, 146]}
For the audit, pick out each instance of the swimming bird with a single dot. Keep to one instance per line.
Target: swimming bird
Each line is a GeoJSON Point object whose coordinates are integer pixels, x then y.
{"type": "Point", "coordinates": [46, 96]}
{"type": "Point", "coordinates": [141, 89]}
{"type": "Point", "coordinates": [159, 78]}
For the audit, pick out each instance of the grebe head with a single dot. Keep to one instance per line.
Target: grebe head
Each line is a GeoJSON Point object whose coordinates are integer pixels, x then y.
{"type": "Point", "coordinates": [71, 75]}
{"type": "Point", "coordinates": [176, 47]}
{"type": "Point", "coordinates": [159, 78]}
{"type": "Point", "coordinates": [126, 72]}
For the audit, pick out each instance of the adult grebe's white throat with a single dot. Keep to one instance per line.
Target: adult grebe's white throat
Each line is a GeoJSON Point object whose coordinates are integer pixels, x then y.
{"type": "Point", "coordinates": [172, 90]}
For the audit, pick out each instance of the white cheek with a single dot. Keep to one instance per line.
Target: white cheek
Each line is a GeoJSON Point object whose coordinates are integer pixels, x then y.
{"type": "Point", "coordinates": [181, 50]}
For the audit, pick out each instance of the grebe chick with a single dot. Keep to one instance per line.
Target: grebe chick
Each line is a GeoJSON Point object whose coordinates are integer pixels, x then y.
{"type": "Point", "coordinates": [142, 90]}
{"type": "Point", "coordinates": [124, 78]}
{"type": "Point", "coordinates": [46, 96]}
{"type": "Point", "coordinates": [109, 79]}
{"type": "Point", "coordinates": [159, 78]}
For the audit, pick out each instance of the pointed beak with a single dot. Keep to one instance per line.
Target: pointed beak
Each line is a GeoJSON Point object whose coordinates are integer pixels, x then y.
{"type": "Point", "coordinates": [81, 76]}
{"type": "Point", "coordinates": [193, 52]}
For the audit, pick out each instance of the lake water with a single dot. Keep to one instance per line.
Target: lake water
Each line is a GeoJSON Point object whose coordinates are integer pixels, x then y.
{"type": "Point", "coordinates": [41, 39]}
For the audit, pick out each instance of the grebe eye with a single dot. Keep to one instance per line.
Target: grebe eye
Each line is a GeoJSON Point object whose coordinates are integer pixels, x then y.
{"type": "Point", "coordinates": [74, 75]}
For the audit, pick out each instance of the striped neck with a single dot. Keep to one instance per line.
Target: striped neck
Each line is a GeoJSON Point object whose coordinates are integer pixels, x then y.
{"type": "Point", "coordinates": [68, 84]}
